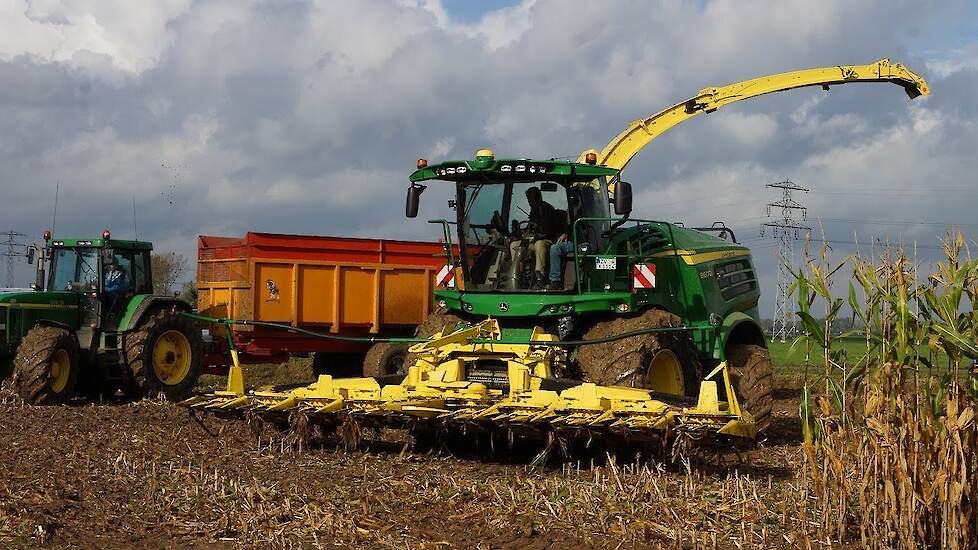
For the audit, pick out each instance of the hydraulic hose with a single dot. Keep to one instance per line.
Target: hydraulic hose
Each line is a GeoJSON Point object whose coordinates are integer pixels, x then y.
{"type": "Point", "coordinates": [392, 340]}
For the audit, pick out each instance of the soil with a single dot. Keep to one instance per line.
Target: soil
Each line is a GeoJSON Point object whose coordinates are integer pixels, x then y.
{"type": "Point", "coordinates": [149, 475]}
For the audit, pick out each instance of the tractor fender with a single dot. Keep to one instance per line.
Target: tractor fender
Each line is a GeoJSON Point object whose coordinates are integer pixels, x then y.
{"type": "Point", "coordinates": [738, 328]}
{"type": "Point", "coordinates": [55, 324]}
{"type": "Point", "coordinates": [144, 304]}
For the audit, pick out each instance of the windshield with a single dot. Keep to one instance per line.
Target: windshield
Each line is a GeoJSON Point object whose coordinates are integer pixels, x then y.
{"type": "Point", "coordinates": [507, 229]}
{"type": "Point", "coordinates": [74, 269]}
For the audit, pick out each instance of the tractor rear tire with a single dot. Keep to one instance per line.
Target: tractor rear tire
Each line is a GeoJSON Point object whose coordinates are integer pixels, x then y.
{"type": "Point", "coordinates": [627, 362]}
{"type": "Point", "coordinates": [164, 356]}
{"type": "Point", "coordinates": [751, 375]}
{"type": "Point", "coordinates": [46, 366]}
{"type": "Point", "coordinates": [385, 359]}
{"type": "Point", "coordinates": [433, 324]}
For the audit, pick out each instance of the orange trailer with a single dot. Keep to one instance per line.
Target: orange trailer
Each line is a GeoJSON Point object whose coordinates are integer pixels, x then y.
{"type": "Point", "coordinates": [338, 285]}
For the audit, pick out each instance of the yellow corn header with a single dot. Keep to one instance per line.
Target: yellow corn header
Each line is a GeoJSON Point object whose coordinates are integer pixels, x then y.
{"type": "Point", "coordinates": [468, 378]}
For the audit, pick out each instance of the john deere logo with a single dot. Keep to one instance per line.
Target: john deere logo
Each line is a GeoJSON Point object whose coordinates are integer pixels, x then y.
{"type": "Point", "coordinates": [503, 306]}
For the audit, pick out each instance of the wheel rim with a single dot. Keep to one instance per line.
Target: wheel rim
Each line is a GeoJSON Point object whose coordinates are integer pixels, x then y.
{"type": "Point", "coordinates": [171, 357]}
{"type": "Point", "coordinates": [666, 374]}
{"type": "Point", "coordinates": [60, 371]}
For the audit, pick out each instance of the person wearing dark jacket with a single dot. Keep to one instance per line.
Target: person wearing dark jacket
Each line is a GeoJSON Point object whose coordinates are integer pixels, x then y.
{"type": "Point", "coordinates": [546, 227]}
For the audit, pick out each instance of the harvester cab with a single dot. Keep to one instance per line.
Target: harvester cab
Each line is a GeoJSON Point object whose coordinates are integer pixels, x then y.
{"type": "Point", "coordinates": [92, 325]}
{"type": "Point", "coordinates": [511, 213]}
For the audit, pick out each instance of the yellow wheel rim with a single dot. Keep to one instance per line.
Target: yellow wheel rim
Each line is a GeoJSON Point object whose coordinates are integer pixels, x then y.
{"type": "Point", "coordinates": [60, 371]}
{"type": "Point", "coordinates": [171, 357]}
{"type": "Point", "coordinates": [665, 374]}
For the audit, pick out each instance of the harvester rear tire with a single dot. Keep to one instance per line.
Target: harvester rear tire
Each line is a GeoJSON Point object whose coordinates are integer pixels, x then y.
{"type": "Point", "coordinates": [385, 359]}
{"type": "Point", "coordinates": [146, 378]}
{"type": "Point", "coordinates": [751, 375]}
{"type": "Point", "coordinates": [433, 324]}
{"type": "Point", "coordinates": [46, 366]}
{"type": "Point", "coordinates": [626, 362]}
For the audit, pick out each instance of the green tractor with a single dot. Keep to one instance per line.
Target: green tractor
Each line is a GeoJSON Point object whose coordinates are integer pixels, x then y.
{"type": "Point", "coordinates": [92, 326]}
{"type": "Point", "coordinates": [608, 276]}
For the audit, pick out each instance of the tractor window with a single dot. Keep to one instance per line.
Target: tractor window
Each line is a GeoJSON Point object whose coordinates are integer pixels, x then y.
{"type": "Point", "coordinates": [140, 276]}
{"type": "Point", "coordinates": [74, 269]}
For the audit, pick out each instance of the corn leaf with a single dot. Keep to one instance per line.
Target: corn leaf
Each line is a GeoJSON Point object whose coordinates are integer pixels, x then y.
{"type": "Point", "coordinates": [807, 416]}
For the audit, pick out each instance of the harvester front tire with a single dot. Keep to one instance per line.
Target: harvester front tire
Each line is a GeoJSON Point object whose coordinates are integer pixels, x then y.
{"type": "Point", "coordinates": [627, 362]}
{"type": "Point", "coordinates": [751, 375]}
{"type": "Point", "coordinates": [46, 366]}
{"type": "Point", "coordinates": [164, 356]}
{"type": "Point", "coordinates": [385, 359]}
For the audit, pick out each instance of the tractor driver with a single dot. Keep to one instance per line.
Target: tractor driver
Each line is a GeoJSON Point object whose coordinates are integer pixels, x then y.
{"type": "Point", "coordinates": [116, 281]}
{"type": "Point", "coordinates": [546, 228]}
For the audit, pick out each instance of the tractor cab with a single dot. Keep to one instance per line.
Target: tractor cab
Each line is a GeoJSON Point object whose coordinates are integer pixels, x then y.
{"type": "Point", "coordinates": [511, 212]}
{"type": "Point", "coordinates": [104, 273]}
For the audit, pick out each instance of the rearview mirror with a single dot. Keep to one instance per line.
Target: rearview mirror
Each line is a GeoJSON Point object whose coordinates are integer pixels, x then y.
{"type": "Point", "coordinates": [623, 198]}
{"type": "Point", "coordinates": [413, 200]}
{"type": "Point", "coordinates": [548, 187]}
{"type": "Point", "coordinates": [30, 255]}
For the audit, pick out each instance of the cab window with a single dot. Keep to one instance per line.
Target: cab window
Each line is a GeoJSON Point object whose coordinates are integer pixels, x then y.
{"type": "Point", "coordinates": [74, 269]}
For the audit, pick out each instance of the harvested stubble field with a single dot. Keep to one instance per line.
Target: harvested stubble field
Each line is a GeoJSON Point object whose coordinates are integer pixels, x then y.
{"type": "Point", "coordinates": [147, 475]}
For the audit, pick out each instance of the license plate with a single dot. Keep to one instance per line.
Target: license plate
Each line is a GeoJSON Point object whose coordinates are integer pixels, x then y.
{"type": "Point", "coordinates": [609, 264]}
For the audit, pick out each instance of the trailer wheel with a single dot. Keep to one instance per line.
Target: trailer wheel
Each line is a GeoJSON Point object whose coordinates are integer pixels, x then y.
{"type": "Point", "coordinates": [46, 366]}
{"type": "Point", "coordinates": [385, 359]}
{"type": "Point", "coordinates": [750, 376]}
{"type": "Point", "coordinates": [164, 356]}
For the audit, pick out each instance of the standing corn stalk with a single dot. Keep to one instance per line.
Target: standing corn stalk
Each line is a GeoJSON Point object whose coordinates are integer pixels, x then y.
{"type": "Point", "coordinates": [896, 465]}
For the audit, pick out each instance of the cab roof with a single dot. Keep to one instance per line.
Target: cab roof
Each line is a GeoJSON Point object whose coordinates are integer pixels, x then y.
{"type": "Point", "coordinates": [511, 170]}
{"type": "Point", "coordinates": [69, 242]}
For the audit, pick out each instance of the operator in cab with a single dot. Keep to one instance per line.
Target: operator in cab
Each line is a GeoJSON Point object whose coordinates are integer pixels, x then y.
{"type": "Point", "coordinates": [116, 281]}
{"type": "Point", "coordinates": [545, 227]}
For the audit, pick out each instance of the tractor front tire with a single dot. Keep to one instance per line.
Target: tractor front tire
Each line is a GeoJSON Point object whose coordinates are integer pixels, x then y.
{"type": "Point", "coordinates": [751, 376]}
{"type": "Point", "coordinates": [164, 356]}
{"type": "Point", "coordinates": [46, 366]}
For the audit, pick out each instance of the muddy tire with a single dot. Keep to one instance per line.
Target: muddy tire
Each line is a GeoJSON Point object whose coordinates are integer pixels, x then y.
{"type": "Point", "coordinates": [751, 376]}
{"type": "Point", "coordinates": [385, 359]}
{"type": "Point", "coordinates": [46, 366]}
{"type": "Point", "coordinates": [433, 324]}
{"type": "Point", "coordinates": [626, 362]}
{"type": "Point", "coordinates": [164, 355]}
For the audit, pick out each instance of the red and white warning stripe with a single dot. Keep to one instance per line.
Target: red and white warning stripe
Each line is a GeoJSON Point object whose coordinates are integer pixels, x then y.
{"type": "Point", "coordinates": [643, 276]}
{"type": "Point", "coordinates": [446, 276]}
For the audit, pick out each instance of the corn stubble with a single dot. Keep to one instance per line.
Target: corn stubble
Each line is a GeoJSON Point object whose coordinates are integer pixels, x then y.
{"type": "Point", "coordinates": [891, 444]}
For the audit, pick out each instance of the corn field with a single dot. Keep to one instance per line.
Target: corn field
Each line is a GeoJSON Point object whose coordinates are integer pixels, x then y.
{"type": "Point", "coordinates": [891, 439]}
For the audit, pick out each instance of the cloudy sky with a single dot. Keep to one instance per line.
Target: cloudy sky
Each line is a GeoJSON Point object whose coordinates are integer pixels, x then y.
{"type": "Point", "coordinates": [224, 116]}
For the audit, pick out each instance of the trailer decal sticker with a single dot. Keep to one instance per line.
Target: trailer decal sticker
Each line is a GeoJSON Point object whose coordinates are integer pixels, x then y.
{"type": "Point", "coordinates": [643, 276]}
{"type": "Point", "coordinates": [272, 291]}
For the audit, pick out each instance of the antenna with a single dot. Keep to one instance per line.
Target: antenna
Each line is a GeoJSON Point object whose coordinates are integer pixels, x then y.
{"type": "Point", "coordinates": [135, 230]}
{"type": "Point", "coordinates": [54, 221]}
{"type": "Point", "coordinates": [789, 230]}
